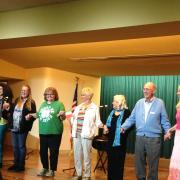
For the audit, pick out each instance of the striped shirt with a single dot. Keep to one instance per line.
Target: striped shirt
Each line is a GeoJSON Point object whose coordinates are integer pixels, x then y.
{"type": "Point", "coordinates": [80, 120]}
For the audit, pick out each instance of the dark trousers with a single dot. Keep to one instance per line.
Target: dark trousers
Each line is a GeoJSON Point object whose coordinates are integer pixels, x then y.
{"type": "Point", "coordinates": [19, 148]}
{"type": "Point", "coordinates": [116, 159]}
{"type": "Point", "coordinates": [2, 136]}
{"type": "Point", "coordinates": [1, 178]}
{"type": "Point", "coordinates": [147, 151]}
{"type": "Point", "coordinates": [51, 142]}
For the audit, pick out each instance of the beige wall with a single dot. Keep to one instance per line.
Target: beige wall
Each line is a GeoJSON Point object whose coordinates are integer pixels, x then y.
{"type": "Point", "coordinates": [9, 70]}
{"type": "Point", "coordinates": [39, 79]}
{"type": "Point", "coordinates": [64, 82]}
{"type": "Point", "coordinates": [81, 15]}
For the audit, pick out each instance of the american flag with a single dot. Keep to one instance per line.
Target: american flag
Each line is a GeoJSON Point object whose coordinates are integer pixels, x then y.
{"type": "Point", "coordinates": [74, 104]}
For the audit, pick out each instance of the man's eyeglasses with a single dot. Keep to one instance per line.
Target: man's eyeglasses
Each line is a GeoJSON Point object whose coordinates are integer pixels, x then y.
{"type": "Point", "coordinates": [146, 89]}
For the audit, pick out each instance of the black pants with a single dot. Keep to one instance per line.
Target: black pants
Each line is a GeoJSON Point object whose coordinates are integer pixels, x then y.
{"type": "Point", "coordinates": [51, 142]}
{"type": "Point", "coordinates": [116, 158]}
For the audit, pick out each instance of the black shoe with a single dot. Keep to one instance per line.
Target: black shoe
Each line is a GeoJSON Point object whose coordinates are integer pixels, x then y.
{"type": "Point", "coordinates": [19, 169]}
{"type": "Point", "coordinates": [12, 168]}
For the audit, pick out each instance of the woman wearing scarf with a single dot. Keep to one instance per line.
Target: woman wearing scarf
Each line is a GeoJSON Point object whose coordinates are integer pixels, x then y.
{"type": "Point", "coordinates": [116, 150]}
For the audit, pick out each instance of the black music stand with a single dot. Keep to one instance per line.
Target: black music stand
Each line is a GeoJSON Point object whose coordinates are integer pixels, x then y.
{"type": "Point", "coordinates": [68, 169]}
{"type": "Point", "coordinates": [71, 168]}
{"type": "Point", "coordinates": [100, 144]}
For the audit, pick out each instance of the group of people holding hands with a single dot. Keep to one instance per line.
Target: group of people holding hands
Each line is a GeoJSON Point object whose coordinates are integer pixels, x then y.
{"type": "Point", "coordinates": [20, 115]}
{"type": "Point", "coordinates": [149, 117]}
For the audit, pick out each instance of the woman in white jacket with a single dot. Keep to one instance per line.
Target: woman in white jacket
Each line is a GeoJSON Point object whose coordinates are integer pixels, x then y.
{"type": "Point", "coordinates": [84, 122]}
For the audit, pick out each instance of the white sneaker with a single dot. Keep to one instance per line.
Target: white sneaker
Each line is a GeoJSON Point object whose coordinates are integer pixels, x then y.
{"type": "Point", "coordinates": [50, 173]}
{"type": "Point", "coordinates": [86, 178]}
{"type": "Point", "coordinates": [42, 172]}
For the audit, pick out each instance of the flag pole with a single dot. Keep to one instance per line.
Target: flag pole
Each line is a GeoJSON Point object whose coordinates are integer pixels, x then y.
{"type": "Point", "coordinates": [77, 79]}
{"type": "Point", "coordinates": [74, 104]}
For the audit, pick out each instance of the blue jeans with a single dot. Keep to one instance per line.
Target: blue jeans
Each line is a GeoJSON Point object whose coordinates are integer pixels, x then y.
{"type": "Point", "coordinates": [19, 148]}
{"type": "Point", "coordinates": [2, 136]}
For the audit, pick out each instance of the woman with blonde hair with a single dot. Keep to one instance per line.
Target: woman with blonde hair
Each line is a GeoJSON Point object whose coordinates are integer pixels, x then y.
{"type": "Point", "coordinates": [20, 126]}
{"type": "Point", "coordinates": [85, 121]}
{"type": "Point", "coordinates": [116, 149]}
{"type": "Point", "coordinates": [174, 169]}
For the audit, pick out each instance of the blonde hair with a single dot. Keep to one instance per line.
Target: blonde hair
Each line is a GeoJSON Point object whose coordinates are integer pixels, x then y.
{"type": "Point", "coordinates": [122, 101]}
{"type": "Point", "coordinates": [178, 104]}
{"type": "Point", "coordinates": [88, 91]}
{"type": "Point", "coordinates": [29, 99]}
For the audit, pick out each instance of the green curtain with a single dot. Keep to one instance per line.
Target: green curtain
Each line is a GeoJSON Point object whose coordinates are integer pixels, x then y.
{"type": "Point", "coordinates": [132, 88]}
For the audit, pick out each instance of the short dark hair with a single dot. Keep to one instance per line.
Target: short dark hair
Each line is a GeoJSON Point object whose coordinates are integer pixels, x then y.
{"type": "Point", "coordinates": [7, 92]}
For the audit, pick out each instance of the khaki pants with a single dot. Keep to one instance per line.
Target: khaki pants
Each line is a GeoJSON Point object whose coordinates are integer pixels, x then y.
{"type": "Point", "coordinates": [82, 152]}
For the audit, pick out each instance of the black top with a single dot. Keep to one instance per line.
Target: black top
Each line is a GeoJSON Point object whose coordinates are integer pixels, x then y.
{"type": "Point", "coordinates": [25, 125]}
{"type": "Point", "coordinates": [5, 113]}
{"type": "Point", "coordinates": [112, 129]}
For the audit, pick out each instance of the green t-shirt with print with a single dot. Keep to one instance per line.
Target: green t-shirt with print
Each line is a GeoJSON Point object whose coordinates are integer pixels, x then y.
{"type": "Point", "coordinates": [49, 123]}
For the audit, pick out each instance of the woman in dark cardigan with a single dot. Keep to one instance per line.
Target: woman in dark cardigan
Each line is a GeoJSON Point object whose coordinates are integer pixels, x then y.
{"type": "Point", "coordinates": [116, 149]}
{"type": "Point", "coordinates": [20, 126]}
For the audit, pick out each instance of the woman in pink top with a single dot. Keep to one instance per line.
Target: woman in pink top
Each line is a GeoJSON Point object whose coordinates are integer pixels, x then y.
{"type": "Point", "coordinates": [174, 169]}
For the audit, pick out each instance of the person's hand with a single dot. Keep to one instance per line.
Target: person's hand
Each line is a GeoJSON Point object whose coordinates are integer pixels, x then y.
{"type": "Point", "coordinates": [6, 106]}
{"type": "Point", "coordinates": [105, 130]}
{"type": "Point", "coordinates": [62, 115]}
{"type": "Point", "coordinates": [28, 117]}
{"type": "Point", "coordinates": [167, 136]}
{"type": "Point", "coordinates": [101, 125]}
{"type": "Point", "coordinates": [71, 138]}
{"type": "Point", "coordinates": [122, 130]}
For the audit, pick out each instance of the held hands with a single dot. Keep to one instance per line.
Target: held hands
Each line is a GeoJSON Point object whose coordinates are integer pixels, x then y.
{"type": "Point", "coordinates": [62, 115]}
{"type": "Point", "coordinates": [101, 125]}
{"type": "Point", "coordinates": [28, 117]}
{"type": "Point", "coordinates": [105, 130]}
{"type": "Point", "coordinates": [167, 136]}
{"type": "Point", "coordinates": [70, 138]}
{"type": "Point", "coordinates": [122, 131]}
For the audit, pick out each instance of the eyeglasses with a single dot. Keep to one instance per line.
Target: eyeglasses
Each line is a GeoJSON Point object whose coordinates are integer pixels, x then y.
{"type": "Point", "coordinates": [49, 94]}
{"type": "Point", "coordinates": [146, 89]}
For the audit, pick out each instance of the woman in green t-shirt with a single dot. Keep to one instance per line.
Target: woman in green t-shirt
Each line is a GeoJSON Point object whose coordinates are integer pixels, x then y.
{"type": "Point", "coordinates": [50, 115]}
